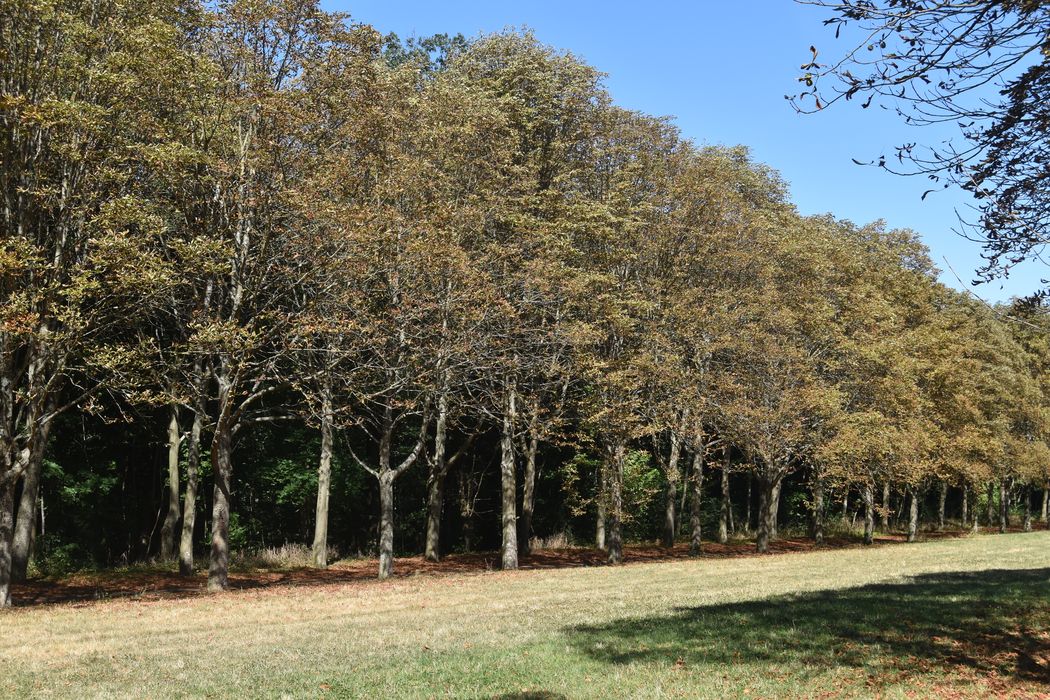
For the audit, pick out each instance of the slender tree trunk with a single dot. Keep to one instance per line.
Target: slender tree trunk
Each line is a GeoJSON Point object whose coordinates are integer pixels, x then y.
{"type": "Point", "coordinates": [696, 487]}
{"type": "Point", "coordinates": [600, 538]}
{"type": "Point", "coordinates": [324, 483]}
{"type": "Point", "coordinates": [913, 514]}
{"type": "Point", "coordinates": [7, 525]}
{"type": "Point", "coordinates": [508, 487]}
{"type": "Point", "coordinates": [615, 485]}
{"type": "Point", "coordinates": [528, 496]}
{"type": "Point", "coordinates": [868, 494]}
{"type": "Point", "coordinates": [750, 497]}
{"type": "Point", "coordinates": [386, 524]}
{"type": "Point", "coordinates": [435, 506]}
{"type": "Point", "coordinates": [466, 510]}
{"type": "Point", "coordinates": [990, 507]}
{"type": "Point", "coordinates": [845, 508]}
{"type": "Point", "coordinates": [724, 505]}
{"type": "Point", "coordinates": [1004, 507]}
{"type": "Point", "coordinates": [1046, 502]}
{"type": "Point", "coordinates": [965, 508]}
{"type": "Point", "coordinates": [25, 523]}
{"type": "Point", "coordinates": [171, 520]}
{"type": "Point", "coordinates": [774, 522]}
{"type": "Point", "coordinates": [818, 510]}
{"type": "Point", "coordinates": [222, 468]}
{"type": "Point", "coordinates": [768, 495]}
{"type": "Point", "coordinates": [885, 506]}
{"type": "Point", "coordinates": [1027, 496]}
{"type": "Point", "coordinates": [942, 499]}
{"type": "Point", "coordinates": [436, 481]}
{"type": "Point", "coordinates": [670, 502]}
{"type": "Point", "coordinates": [189, 503]}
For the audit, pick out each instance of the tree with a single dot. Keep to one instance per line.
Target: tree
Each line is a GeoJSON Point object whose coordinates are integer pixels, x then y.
{"type": "Point", "coordinates": [983, 66]}
{"type": "Point", "coordinates": [82, 250]}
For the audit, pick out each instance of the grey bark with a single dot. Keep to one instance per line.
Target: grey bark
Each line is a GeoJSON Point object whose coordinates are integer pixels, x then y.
{"type": "Point", "coordinates": [222, 469]}
{"type": "Point", "coordinates": [614, 464]}
{"type": "Point", "coordinates": [913, 514]}
{"type": "Point", "coordinates": [1027, 495]}
{"type": "Point", "coordinates": [508, 487]}
{"type": "Point", "coordinates": [868, 495]}
{"type": "Point", "coordinates": [1046, 501]}
{"type": "Point", "coordinates": [324, 482]}
{"type": "Point", "coordinates": [7, 524]}
{"type": "Point", "coordinates": [885, 506]}
{"type": "Point", "coordinates": [942, 498]}
{"type": "Point", "coordinates": [25, 522]}
{"type": "Point", "coordinates": [528, 496]}
{"type": "Point", "coordinates": [724, 505]}
{"type": "Point", "coordinates": [990, 506]}
{"type": "Point", "coordinates": [171, 519]}
{"type": "Point", "coordinates": [768, 496]}
{"type": "Point", "coordinates": [189, 502]}
{"type": "Point", "coordinates": [1004, 507]}
{"type": "Point", "coordinates": [818, 510]}
{"type": "Point", "coordinates": [965, 509]}
{"type": "Point", "coordinates": [696, 480]}
{"type": "Point", "coordinates": [386, 524]}
{"type": "Point", "coordinates": [775, 520]}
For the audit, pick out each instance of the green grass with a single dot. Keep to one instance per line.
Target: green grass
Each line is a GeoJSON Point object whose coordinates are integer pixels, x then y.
{"type": "Point", "coordinates": [954, 618]}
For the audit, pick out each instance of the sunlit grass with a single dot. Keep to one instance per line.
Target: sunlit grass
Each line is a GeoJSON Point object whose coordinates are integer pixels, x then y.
{"type": "Point", "coordinates": [965, 616]}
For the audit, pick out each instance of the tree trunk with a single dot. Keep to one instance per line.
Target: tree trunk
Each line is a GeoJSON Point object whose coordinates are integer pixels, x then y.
{"type": "Point", "coordinates": [818, 510]}
{"type": "Point", "coordinates": [913, 514]}
{"type": "Point", "coordinates": [868, 494]}
{"type": "Point", "coordinates": [222, 467]}
{"type": "Point", "coordinates": [750, 496]}
{"type": "Point", "coordinates": [25, 523]}
{"type": "Point", "coordinates": [599, 528]}
{"type": "Point", "coordinates": [528, 496]}
{"type": "Point", "coordinates": [696, 483]}
{"type": "Point", "coordinates": [189, 502]}
{"type": "Point", "coordinates": [942, 499]}
{"type": "Point", "coordinates": [1004, 507]}
{"type": "Point", "coordinates": [324, 483]}
{"type": "Point", "coordinates": [965, 510]}
{"type": "Point", "coordinates": [7, 524]}
{"type": "Point", "coordinates": [435, 505]}
{"type": "Point", "coordinates": [845, 508]}
{"type": "Point", "coordinates": [508, 487]}
{"type": "Point", "coordinates": [1046, 501]}
{"type": "Point", "coordinates": [885, 506]}
{"type": "Point", "coordinates": [670, 498]}
{"type": "Point", "coordinates": [990, 507]}
{"type": "Point", "coordinates": [171, 520]}
{"type": "Point", "coordinates": [615, 485]}
{"type": "Point", "coordinates": [768, 495]}
{"type": "Point", "coordinates": [775, 521]}
{"type": "Point", "coordinates": [723, 505]}
{"type": "Point", "coordinates": [1027, 495]}
{"type": "Point", "coordinates": [386, 524]}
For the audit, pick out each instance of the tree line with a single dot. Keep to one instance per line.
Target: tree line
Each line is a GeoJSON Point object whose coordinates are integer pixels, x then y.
{"type": "Point", "coordinates": [241, 223]}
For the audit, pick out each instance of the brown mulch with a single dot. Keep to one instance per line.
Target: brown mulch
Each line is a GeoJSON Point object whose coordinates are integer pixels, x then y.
{"type": "Point", "coordinates": [159, 584]}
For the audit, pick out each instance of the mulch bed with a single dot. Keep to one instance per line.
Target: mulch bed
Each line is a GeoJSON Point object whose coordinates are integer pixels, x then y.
{"type": "Point", "coordinates": [159, 584]}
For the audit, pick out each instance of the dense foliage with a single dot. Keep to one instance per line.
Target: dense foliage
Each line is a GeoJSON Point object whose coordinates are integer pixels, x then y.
{"type": "Point", "coordinates": [257, 252]}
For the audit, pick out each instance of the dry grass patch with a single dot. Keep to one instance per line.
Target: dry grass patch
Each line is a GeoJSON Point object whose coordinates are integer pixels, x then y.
{"type": "Point", "coordinates": [963, 616]}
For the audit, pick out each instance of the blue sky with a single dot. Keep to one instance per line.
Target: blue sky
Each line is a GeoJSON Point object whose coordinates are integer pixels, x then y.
{"type": "Point", "coordinates": [722, 70]}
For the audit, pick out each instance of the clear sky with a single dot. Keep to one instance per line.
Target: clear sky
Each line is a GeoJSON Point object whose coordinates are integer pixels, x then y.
{"type": "Point", "coordinates": [722, 68]}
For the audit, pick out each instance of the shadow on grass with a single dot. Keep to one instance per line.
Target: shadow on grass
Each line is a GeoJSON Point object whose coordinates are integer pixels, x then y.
{"type": "Point", "coordinates": [974, 624]}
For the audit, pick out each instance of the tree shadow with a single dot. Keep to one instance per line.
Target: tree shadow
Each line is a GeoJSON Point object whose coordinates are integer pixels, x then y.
{"type": "Point", "coordinates": [980, 624]}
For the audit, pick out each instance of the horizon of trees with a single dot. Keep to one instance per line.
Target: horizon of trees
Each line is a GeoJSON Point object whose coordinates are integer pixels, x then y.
{"type": "Point", "coordinates": [456, 273]}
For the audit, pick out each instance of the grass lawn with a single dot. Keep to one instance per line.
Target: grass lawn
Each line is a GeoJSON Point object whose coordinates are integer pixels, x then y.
{"type": "Point", "coordinates": [965, 617]}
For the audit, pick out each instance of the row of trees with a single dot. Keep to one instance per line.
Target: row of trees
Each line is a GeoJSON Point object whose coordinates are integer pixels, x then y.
{"type": "Point", "coordinates": [262, 214]}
